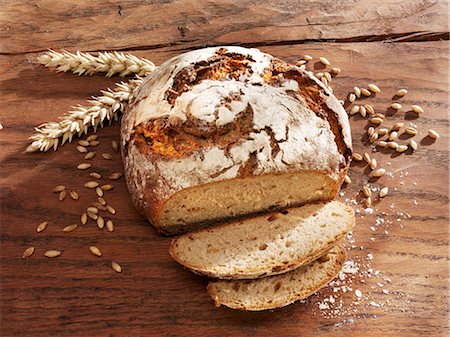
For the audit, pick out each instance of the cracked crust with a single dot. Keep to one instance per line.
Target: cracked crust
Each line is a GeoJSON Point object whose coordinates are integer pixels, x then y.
{"type": "Point", "coordinates": [223, 113]}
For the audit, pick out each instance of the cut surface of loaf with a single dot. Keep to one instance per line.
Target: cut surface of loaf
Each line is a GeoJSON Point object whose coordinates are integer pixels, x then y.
{"type": "Point", "coordinates": [264, 245]}
{"type": "Point", "coordinates": [280, 290]}
{"type": "Point", "coordinates": [208, 122]}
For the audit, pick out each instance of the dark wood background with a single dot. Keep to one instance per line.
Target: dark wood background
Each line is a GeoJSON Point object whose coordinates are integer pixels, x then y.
{"type": "Point", "coordinates": [392, 43]}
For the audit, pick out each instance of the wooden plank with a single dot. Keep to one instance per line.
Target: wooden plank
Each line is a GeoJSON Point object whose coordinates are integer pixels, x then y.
{"type": "Point", "coordinates": [78, 293]}
{"type": "Point", "coordinates": [116, 24]}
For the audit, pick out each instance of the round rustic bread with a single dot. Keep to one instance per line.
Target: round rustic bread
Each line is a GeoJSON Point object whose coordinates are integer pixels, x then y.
{"type": "Point", "coordinates": [224, 132]}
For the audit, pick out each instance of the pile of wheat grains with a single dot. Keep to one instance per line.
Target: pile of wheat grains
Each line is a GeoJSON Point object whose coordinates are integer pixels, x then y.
{"type": "Point", "coordinates": [381, 135]}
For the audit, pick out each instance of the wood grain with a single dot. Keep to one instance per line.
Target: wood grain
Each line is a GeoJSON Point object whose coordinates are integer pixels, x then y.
{"type": "Point", "coordinates": [78, 294]}
{"type": "Point", "coordinates": [37, 25]}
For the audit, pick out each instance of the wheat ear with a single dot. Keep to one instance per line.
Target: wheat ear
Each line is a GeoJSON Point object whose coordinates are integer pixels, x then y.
{"type": "Point", "coordinates": [101, 109]}
{"type": "Point", "coordinates": [111, 63]}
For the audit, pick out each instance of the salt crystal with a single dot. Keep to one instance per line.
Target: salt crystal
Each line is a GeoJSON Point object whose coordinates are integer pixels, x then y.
{"type": "Point", "coordinates": [358, 293]}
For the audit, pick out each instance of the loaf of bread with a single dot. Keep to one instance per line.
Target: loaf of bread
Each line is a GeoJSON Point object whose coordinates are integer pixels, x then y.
{"type": "Point", "coordinates": [280, 290]}
{"type": "Point", "coordinates": [264, 245]}
{"type": "Point", "coordinates": [222, 132]}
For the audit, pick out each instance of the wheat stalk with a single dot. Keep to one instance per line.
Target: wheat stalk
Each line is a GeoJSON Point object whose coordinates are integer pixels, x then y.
{"type": "Point", "coordinates": [110, 63]}
{"type": "Point", "coordinates": [101, 109]}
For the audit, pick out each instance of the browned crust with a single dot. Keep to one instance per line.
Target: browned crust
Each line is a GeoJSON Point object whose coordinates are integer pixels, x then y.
{"type": "Point", "coordinates": [156, 205]}
{"type": "Point", "coordinates": [259, 272]}
{"type": "Point", "coordinates": [340, 259]}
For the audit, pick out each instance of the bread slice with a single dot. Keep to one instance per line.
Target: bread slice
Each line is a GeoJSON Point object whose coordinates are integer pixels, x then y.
{"type": "Point", "coordinates": [264, 245]}
{"type": "Point", "coordinates": [280, 290]}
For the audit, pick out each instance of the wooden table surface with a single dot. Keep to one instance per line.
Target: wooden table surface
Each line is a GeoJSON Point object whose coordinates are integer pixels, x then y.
{"type": "Point", "coordinates": [392, 43]}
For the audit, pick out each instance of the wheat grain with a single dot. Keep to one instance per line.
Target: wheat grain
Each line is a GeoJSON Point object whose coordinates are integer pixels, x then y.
{"type": "Point", "coordinates": [107, 187]}
{"type": "Point", "coordinates": [95, 251]}
{"type": "Point", "coordinates": [369, 109]}
{"type": "Point", "coordinates": [91, 138]}
{"type": "Point", "coordinates": [369, 202]}
{"type": "Point", "coordinates": [59, 189]}
{"type": "Point", "coordinates": [117, 268]}
{"type": "Point", "coordinates": [100, 222]}
{"type": "Point", "coordinates": [62, 195]}
{"type": "Point", "coordinates": [91, 184]}
{"type": "Point", "coordinates": [382, 143]}
{"type": "Point", "coordinates": [81, 149]}
{"type": "Point", "coordinates": [392, 145]}
{"type": "Point", "coordinates": [52, 253]}
{"type": "Point", "coordinates": [347, 180]}
{"type": "Point", "coordinates": [107, 156]}
{"type": "Point", "coordinates": [376, 120]}
{"type": "Point", "coordinates": [374, 137]}
{"type": "Point", "coordinates": [42, 226]}
{"type": "Point", "coordinates": [378, 172]}
{"type": "Point", "coordinates": [335, 71]}
{"type": "Point", "coordinates": [92, 210]}
{"type": "Point", "coordinates": [27, 252]}
{"type": "Point", "coordinates": [367, 191]}
{"type": "Point", "coordinates": [324, 61]}
{"type": "Point", "coordinates": [411, 131]}
{"type": "Point", "coordinates": [417, 109]}
{"type": "Point", "coordinates": [102, 201]}
{"type": "Point", "coordinates": [351, 97]}
{"type": "Point", "coordinates": [366, 157]}
{"type": "Point", "coordinates": [357, 91]}
{"type": "Point", "coordinates": [101, 109]}
{"type": "Point", "coordinates": [91, 215]}
{"type": "Point", "coordinates": [373, 164]}
{"type": "Point", "coordinates": [413, 144]}
{"type": "Point", "coordinates": [115, 175]}
{"type": "Point", "coordinates": [374, 88]}
{"type": "Point", "coordinates": [83, 219]}
{"type": "Point", "coordinates": [115, 146]}
{"type": "Point", "coordinates": [396, 106]}
{"type": "Point", "coordinates": [401, 148]}
{"type": "Point", "coordinates": [83, 166]}
{"type": "Point", "coordinates": [433, 134]}
{"type": "Point", "coordinates": [365, 92]}
{"type": "Point", "coordinates": [89, 155]}
{"type": "Point", "coordinates": [357, 156]}
{"type": "Point", "coordinates": [95, 175]}
{"type": "Point", "coordinates": [354, 110]}
{"type": "Point", "coordinates": [362, 111]}
{"type": "Point", "coordinates": [110, 225]}
{"type": "Point", "coordinates": [384, 192]}
{"type": "Point", "coordinates": [301, 62]}
{"type": "Point", "coordinates": [94, 143]}
{"type": "Point", "coordinates": [70, 228]}
{"type": "Point", "coordinates": [99, 192]}
{"type": "Point", "coordinates": [382, 131]}
{"type": "Point", "coordinates": [74, 195]}
{"type": "Point", "coordinates": [83, 142]}
{"type": "Point", "coordinates": [401, 92]}
{"type": "Point", "coordinates": [393, 135]}
{"type": "Point", "coordinates": [110, 209]}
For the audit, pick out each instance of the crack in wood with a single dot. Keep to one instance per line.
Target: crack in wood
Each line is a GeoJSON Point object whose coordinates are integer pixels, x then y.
{"type": "Point", "coordinates": [420, 36]}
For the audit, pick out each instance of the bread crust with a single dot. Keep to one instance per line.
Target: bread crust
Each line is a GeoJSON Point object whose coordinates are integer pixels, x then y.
{"type": "Point", "coordinates": [269, 269]}
{"type": "Point", "coordinates": [340, 259]}
{"type": "Point", "coordinates": [169, 142]}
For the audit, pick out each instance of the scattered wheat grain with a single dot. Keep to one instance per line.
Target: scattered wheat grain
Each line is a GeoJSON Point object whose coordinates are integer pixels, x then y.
{"type": "Point", "coordinates": [83, 166]}
{"type": "Point", "coordinates": [417, 109]}
{"type": "Point", "coordinates": [74, 195]}
{"type": "Point", "coordinates": [99, 191]}
{"type": "Point", "coordinates": [433, 134]}
{"type": "Point", "coordinates": [365, 92]}
{"type": "Point", "coordinates": [100, 222]}
{"type": "Point", "coordinates": [70, 228]}
{"type": "Point", "coordinates": [115, 146]}
{"type": "Point", "coordinates": [95, 251]}
{"type": "Point", "coordinates": [374, 88]}
{"type": "Point", "coordinates": [42, 226]}
{"type": "Point", "coordinates": [117, 268]}
{"type": "Point", "coordinates": [89, 155]}
{"type": "Point", "coordinates": [378, 172]}
{"type": "Point", "coordinates": [52, 253]}
{"type": "Point", "coordinates": [384, 192]}
{"type": "Point", "coordinates": [393, 135]}
{"type": "Point", "coordinates": [94, 143]}
{"type": "Point", "coordinates": [95, 175]}
{"type": "Point", "coordinates": [396, 106]}
{"type": "Point", "coordinates": [107, 156]}
{"type": "Point", "coordinates": [91, 184]}
{"type": "Point", "coordinates": [401, 148]}
{"type": "Point", "coordinates": [357, 156]}
{"type": "Point", "coordinates": [367, 191]}
{"type": "Point", "coordinates": [357, 91]}
{"type": "Point", "coordinates": [83, 219]}
{"type": "Point", "coordinates": [62, 195]}
{"type": "Point", "coordinates": [110, 209]}
{"type": "Point", "coordinates": [373, 164]}
{"type": "Point", "coordinates": [107, 187]}
{"type": "Point", "coordinates": [83, 142]}
{"type": "Point", "coordinates": [81, 149]}
{"type": "Point", "coordinates": [59, 188]}
{"type": "Point", "coordinates": [324, 61]}
{"type": "Point", "coordinates": [27, 252]}
{"type": "Point", "coordinates": [413, 144]}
